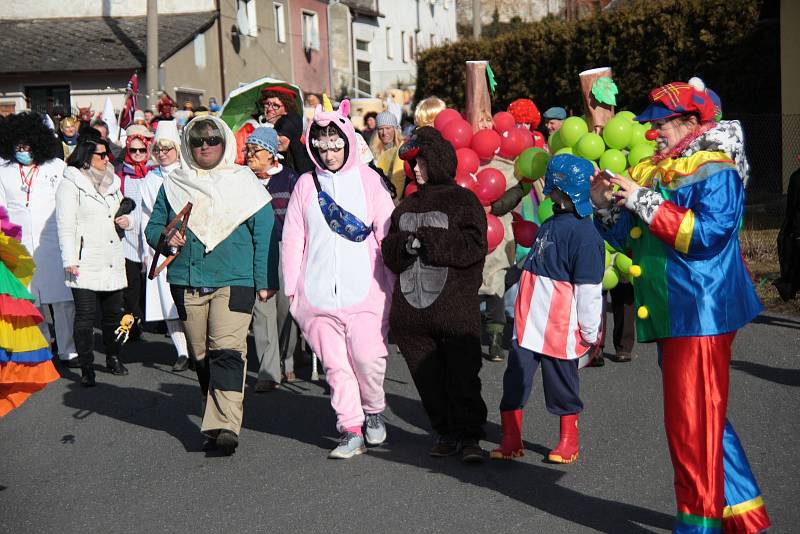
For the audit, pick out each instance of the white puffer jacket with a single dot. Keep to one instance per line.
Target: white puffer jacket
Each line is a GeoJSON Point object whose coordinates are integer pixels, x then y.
{"type": "Point", "coordinates": [86, 232]}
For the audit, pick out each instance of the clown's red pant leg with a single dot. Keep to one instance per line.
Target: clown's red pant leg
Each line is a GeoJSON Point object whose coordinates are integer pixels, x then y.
{"type": "Point", "coordinates": [712, 476]}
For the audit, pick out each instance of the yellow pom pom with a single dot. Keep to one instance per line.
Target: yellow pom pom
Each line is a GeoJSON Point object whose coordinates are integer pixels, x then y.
{"type": "Point", "coordinates": [642, 312]}
{"type": "Point", "coordinates": [636, 232]}
{"type": "Point", "coordinates": [635, 271]}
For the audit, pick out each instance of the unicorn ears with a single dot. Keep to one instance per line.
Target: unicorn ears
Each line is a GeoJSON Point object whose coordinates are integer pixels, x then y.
{"type": "Point", "coordinates": [344, 108]}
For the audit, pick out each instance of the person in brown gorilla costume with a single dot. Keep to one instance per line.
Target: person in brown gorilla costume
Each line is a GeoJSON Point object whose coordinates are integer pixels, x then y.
{"type": "Point", "coordinates": [436, 245]}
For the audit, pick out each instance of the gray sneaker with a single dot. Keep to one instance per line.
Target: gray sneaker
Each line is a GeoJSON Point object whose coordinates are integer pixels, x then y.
{"type": "Point", "coordinates": [376, 429]}
{"type": "Point", "coordinates": [350, 444]}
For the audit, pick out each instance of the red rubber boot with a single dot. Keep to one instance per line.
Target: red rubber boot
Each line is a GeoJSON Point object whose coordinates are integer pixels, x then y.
{"type": "Point", "coordinates": [511, 444]}
{"type": "Point", "coordinates": [567, 450]}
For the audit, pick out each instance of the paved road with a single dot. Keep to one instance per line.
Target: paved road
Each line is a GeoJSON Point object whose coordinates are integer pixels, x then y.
{"type": "Point", "coordinates": [125, 456]}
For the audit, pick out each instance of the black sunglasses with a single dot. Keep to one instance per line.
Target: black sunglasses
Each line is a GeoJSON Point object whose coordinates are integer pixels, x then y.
{"type": "Point", "coordinates": [212, 140]}
{"type": "Point", "coordinates": [101, 155]}
{"type": "Point", "coordinates": [136, 150]}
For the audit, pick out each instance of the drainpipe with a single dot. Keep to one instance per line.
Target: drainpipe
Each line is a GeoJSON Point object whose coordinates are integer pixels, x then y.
{"type": "Point", "coordinates": [224, 95]}
{"type": "Point", "coordinates": [330, 47]}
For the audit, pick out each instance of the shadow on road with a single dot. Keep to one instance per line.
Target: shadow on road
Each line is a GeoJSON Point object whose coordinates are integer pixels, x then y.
{"type": "Point", "coordinates": [770, 320]}
{"type": "Point", "coordinates": [786, 377]}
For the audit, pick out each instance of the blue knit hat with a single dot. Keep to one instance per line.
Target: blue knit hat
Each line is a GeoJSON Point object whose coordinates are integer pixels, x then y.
{"type": "Point", "coordinates": [267, 138]}
{"type": "Point", "coordinates": [571, 175]}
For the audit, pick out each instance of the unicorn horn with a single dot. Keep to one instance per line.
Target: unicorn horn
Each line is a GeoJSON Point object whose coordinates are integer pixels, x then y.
{"type": "Point", "coordinates": [326, 103]}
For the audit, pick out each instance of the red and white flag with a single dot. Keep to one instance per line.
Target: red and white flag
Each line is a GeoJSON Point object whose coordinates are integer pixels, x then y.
{"type": "Point", "coordinates": [131, 102]}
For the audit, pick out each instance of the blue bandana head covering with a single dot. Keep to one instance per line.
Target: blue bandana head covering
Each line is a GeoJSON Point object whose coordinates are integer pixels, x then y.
{"type": "Point", "coordinates": [339, 219]}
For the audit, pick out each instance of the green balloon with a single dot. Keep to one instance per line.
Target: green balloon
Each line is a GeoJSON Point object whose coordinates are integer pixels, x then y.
{"type": "Point", "coordinates": [628, 115]}
{"type": "Point", "coordinates": [613, 160]}
{"type": "Point", "coordinates": [528, 163]}
{"type": "Point", "coordinates": [565, 150]}
{"type": "Point", "coordinates": [572, 130]}
{"type": "Point", "coordinates": [590, 146]}
{"type": "Point", "coordinates": [545, 210]}
{"type": "Point", "coordinates": [540, 161]}
{"type": "Point", "coordinates": [637, 135]}
{"type": "Point", "coordinates": [522, 165]}
{"type": "Point", "coordinates": [554, 143]}
{"type": "Point", "coordinates": [617, 132]}
{"type": "Point", "coordinates": [640, 152]}
{"type": "Point", "coordinates": [610, 279]}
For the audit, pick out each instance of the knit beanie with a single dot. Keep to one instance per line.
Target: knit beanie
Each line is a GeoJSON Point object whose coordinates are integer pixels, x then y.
{"type": "Point", "coordinates": [267, 138]}
{"type": "Point", "coordinates": [386, 119]}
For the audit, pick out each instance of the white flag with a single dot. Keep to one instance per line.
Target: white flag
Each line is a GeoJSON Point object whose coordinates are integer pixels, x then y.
{"type": "Point", "coordinates": [111, 120]}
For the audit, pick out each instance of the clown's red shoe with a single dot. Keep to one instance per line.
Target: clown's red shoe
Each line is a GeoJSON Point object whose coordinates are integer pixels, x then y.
{"type": "Point", "coordinates": [511, 445]}
{"type": "Point", "coordinates": [567, 450]}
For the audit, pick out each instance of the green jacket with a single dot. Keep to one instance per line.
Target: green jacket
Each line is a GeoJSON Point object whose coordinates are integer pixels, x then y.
{"type": "Point", "coordinates": [248, 257]}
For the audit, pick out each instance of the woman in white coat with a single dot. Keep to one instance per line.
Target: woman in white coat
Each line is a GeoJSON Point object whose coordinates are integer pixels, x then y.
{"type": "Point", "coordinates": [159, 305]}
{"type": "Point", "coordinates": [86, 205]}
{"type": "Point", "coordinates": [29, 177]}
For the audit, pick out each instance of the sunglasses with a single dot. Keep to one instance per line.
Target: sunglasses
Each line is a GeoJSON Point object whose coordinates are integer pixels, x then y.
{"type": "Point", "coordinates": [212, 140]}
{"type": "Point", "coordinates": [163, 149]}
{"type": "Point", "coordinates": [101, 155]}
{"type": "Point", "coordinates": [136, 151]}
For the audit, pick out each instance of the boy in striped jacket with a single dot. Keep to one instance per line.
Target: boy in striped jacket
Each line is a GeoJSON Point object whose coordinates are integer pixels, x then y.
{"type": "Point", "coordinates": [558, 311]}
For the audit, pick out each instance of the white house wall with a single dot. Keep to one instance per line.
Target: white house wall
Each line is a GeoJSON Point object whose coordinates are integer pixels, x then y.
{"type": "Point", "coordinates": [402, 18]}
{"type": "Point", "coordinates": [46, 9]}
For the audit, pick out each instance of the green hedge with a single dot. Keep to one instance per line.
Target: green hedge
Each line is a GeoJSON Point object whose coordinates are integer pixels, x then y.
{"type": "Point", "coordinates": [647, 43]}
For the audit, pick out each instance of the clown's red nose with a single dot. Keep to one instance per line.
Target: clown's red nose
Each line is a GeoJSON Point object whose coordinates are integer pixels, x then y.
{"type": "Point", "coordinates": [651, 135]}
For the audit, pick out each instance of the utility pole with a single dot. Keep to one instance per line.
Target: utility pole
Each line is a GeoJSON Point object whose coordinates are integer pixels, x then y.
{"type": "Point", "coordinates": [476, 19]}
{"type": "Point", "coordinates": [152, 54]}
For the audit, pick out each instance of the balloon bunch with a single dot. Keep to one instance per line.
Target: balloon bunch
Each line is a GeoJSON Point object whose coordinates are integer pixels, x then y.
{"type": "Point", "coordinates": [476, 150]}
{"type": "Point", "coordinates": [624, 142]}
{"type": "Point", "coordinates": [618, 266]}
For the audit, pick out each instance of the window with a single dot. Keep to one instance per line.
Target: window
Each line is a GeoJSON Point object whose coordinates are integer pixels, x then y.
{"type": "Point", "coordinates": [188, 95]}
{"type": "Point", "coordinates": [43, 98]}
{"type": "Point", "coordinates": [403, 55]}
{"type": "Point", "coordinates": [433, 40]}
{"type": "Point", "coordinates": [200, 50]}
{"type": "Point", "coordinates": [310, 30]}
{"type": "Point", "coordinates": [411, 56]}
{"type": "Point", "coordinates": [364, 80]}
{"type": "Point", "coordinates": [362, 45]}
{"type": "Point", "coordinates": [246, 17]}
{"type": "Point", "coordinates": [280, 23]}
{"type": "Point", "coordinates": [389, 44]}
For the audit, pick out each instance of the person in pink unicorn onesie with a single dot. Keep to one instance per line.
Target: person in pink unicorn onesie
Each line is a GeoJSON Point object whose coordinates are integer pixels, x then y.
{"type": "Point", "coordinates": [335, 278]}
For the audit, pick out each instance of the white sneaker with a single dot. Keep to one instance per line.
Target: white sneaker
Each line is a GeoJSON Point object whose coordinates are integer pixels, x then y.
{"type": "Point", "coordinates": [350, 444]}
{"type": "Point", "coordinates": [376, 429]}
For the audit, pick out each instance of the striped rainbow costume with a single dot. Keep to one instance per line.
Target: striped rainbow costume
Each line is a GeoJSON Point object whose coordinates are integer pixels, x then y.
{"type": "Point", "coordinates": [693, 295]}
{"type": "Point", "coordinates": [25, 359]}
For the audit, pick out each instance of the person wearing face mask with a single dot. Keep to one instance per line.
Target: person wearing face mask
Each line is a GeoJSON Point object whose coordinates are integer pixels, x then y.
{"type": "Point", "coordinates": [87, 201]}
{"type": "Point", "coordinates": [131, 171]}
{"type": "Point", "coordinates": [385, 143]}
{"type": "Point", "coordinates": [334, 275]}
{"type": "Point", "coordinates": [159, 306]}
{"type": "Point", "coordinates": [680, 214]}
{"type": "Point", "coordinates": [30, 175]}
{"type": "Point", "coordinates": [227, 258]}
{"type": "Point", "coordinates": [437, 246]}
{"type": "Point", "coordinates": [274, 330]}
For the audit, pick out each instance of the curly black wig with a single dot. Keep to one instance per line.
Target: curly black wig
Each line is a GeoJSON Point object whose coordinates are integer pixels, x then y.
{"type": "Point", "coordinates": [28, 128]}
{"type": "Point", "coordinates": [439, 155]}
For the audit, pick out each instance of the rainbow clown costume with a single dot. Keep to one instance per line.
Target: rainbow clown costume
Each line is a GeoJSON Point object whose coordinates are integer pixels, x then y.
{"type": "Point", "coordinates": [25, 358]}
{"type": "Point", "coordinates": [693, 294]}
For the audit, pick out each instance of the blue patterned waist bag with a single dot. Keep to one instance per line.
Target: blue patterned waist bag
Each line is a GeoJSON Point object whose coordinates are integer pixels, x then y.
{"type": "Point", "coordinates": [339, 219]}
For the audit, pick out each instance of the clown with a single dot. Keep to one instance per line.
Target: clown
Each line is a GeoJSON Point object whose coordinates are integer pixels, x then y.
{"type": "Point", "coordinates": [680, 215]}
{"type": "Point", "coordinates": [527, 117]}
{"type": "Point", "coordinates": [334, 275]}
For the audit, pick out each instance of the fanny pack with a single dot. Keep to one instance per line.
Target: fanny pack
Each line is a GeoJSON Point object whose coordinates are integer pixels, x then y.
{"type": "Point", "coordinates": [339, 219]}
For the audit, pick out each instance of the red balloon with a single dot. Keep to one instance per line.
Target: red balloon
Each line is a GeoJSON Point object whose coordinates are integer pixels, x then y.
{"type": "Point", "coordinates": [466, 180]}
{"type": "Point", "coordinates": [485, 143]}
{"type": "Point", "coordinates": [516, 217]}
{"type": "Point", "coordinates": [411, 188]}
{"type": "Point", "coordinates": [491, 184]}
{"type": "Point", "coordinates": [494, 231]}
{"type": "Point", "coordinates": [467, 160]}
{"type": "Point", "coordinates": [458, 132]}
{"type": "Point", "coordinates": [444, 117]}
{"type": "Point", "coordinates": [524, 232]}
{"type": "Point", "coordinates": [504, 121]}
{"type": "Point", "coordinates": [408, 170]}
{"type": "Point", "coordinates": [514, 142]}
{"type": "Point", "coordinates": [651, 135]}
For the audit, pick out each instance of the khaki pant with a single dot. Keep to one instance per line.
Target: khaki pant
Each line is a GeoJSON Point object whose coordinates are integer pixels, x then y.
{"type": "Point", "coordinates": [216, 326]}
